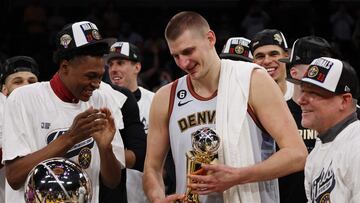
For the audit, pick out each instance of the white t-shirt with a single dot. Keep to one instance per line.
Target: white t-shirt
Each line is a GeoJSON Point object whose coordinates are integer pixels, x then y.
{"type": "Point", "coordinates": [2, 170]}
{"type": "Point", "coordinates": [35, 116]}
{"type": "Point", "coordinates": [289, 90]}
{"type": "Point", "coordinates": [134, 186]}
{"type": "Point", "coordinates": [332, 168]}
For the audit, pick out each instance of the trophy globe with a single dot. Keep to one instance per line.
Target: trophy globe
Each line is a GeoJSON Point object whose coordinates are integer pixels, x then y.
{"type": "Point", "coordinates": [57, 180]}
{"type": "Point", "coordinates": [205, 141]}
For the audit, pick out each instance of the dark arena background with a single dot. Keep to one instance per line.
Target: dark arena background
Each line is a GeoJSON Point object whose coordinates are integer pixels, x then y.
{"type": "Point", "coordinates": [28, 27]}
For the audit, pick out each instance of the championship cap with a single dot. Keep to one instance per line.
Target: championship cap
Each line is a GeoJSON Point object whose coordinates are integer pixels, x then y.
{"type": "Point", "coordinates": [17, 64]}
{"type": "Point", "coordinates": [331, 74]}
{"type": "Point", "coordinates": [306, 49]}
{"type": "Point", "coordinates": [80, 36]}
{"type": "Point", "coordinates": [237, 48]}
{"type": "Point", "coordinates": [124, 50]}
{"type": "Point", "coordinates": [268, 37]}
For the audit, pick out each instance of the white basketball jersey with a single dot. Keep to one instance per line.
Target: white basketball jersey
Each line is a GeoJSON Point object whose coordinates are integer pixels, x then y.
{"type": "Point", "coordinates": [190, 112]}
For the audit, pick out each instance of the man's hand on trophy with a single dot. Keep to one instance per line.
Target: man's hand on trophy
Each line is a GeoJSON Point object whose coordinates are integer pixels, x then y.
{"type": "Point", "coordinates": [174, 198]}
{"type": "Point", "coordinates": [218, 178]}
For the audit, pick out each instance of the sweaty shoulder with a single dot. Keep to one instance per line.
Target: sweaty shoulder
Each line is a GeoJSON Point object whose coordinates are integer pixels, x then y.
{"type": "Point", "coordinates": [263, 88]}
{"type": "Point", "coordinates": [164, 91]}
{"type": "Point", "coordinates": [162, 97]}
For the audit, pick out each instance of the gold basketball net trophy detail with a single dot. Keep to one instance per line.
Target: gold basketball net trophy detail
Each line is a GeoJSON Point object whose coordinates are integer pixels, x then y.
{"type": "Point", "coordinates": [205, 144]}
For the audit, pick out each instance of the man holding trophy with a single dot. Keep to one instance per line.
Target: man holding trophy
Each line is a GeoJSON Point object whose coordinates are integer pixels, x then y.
{"type": "Point", "coordinates": [237, 100]}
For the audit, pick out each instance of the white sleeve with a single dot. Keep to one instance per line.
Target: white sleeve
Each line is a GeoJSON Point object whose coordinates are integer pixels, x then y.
{"type": "Point", "coordinates": [353, 166]}
{"type": "Point", "coordinates": [16, 131]}
{"type": "Point", "coordinates": [115, 100]}
{"type": "Point", "coordinates": [117, 143]}
{"type": "Point", "coordinates": [307, 181]}
{"type": "Point", "coordinates": [118, 148]}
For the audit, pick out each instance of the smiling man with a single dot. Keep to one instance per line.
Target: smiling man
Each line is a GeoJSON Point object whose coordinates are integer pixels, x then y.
{"type": "Point", "coordinates": [17, 71]}
{"type": "Point", "coordinates": [237, 98]}
{"type": "Point", "coordinates": [267, 47]}
{"type": "Point", "coordinates": [49, 119]}
{"type": "Point", "coordinates": [329, 92]}
{"type": "Point", "coordinates": [124, 62]}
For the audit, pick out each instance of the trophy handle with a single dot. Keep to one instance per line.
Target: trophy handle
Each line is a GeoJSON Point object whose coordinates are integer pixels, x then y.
{"type": "Point", "coordinates": [192, 165]}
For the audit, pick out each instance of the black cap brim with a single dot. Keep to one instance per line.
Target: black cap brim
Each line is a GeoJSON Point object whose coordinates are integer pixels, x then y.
{"type": "Point", "coordinates": [285, 60]}
{"type": "Point", "coordinates": [293, 80]}
{"type": "Point", "coordinates": [235, 57]}
{"type": "Point", "coordinates": [109, 56]}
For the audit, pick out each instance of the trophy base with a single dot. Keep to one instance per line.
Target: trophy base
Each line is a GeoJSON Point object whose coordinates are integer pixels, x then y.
{"type": "Point", "coordinates": [192, 198]}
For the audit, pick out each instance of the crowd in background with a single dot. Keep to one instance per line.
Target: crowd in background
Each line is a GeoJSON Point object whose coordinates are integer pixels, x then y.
{"type": "Point", "coordinates": [29, 27]}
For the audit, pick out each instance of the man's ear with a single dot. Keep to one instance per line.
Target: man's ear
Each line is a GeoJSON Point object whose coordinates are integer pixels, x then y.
{"type": "Point", "coordinates": [347, 100]}
{"type": "Point", "coordinates": [211, 37]}
{"type": "Point", "coordinates": [293, 72]}
{"type": "Point", "coordinates": [64, 66]}
{"type": "Point", "coordinates": [137, 67]}
{"type": "Point", "coordinates": [4, 90]}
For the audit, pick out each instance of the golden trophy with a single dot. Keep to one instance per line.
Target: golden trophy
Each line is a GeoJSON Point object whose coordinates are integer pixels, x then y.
{"type": "Point", "coordinates": [205, 144]}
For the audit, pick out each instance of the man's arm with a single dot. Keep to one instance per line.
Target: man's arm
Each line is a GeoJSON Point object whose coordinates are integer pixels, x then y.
{"type": "Point", "coordinates": [83, 126]}
{"type": "Point", "coordinates": [270, 108]}
{"type": "Point", "coordinates": [17, 177]}
{"type": "Point", "coordinates": [133, 133]}
{"type": "Point", "coordinates": [110, 167]}
{"type": "Point", "coordinates": [157, 145]}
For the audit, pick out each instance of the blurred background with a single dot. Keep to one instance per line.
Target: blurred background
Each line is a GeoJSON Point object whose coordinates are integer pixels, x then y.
{"type": "Point", "coordinates": [28, 27]}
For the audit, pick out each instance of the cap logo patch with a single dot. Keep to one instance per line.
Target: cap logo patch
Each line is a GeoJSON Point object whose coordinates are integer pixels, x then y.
{"type": "Point", "coordinates": [278, 38]}
{"type": "Point", "coordinates": [65, 40]}
{"type": "Point", "coordinates": [96, 34]}
{"type": "Point", "coordinates": [313, 72]}
{"type": "Point", "coordinates": [239, 49]}
{"type": "Point", "coordinates": [317, 73]}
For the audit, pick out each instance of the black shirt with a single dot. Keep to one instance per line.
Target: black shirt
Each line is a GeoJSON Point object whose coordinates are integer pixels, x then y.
{"type": "Point", "coordinates": [134, 138]}
{"type": "Point", "coordinates": [291, 187]}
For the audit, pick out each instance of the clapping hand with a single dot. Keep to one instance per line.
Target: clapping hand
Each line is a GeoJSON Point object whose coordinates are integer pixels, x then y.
{"type": "Point", "coordinates": [104, 128]}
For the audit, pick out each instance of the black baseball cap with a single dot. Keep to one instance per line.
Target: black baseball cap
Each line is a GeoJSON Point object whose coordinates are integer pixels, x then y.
{"type": "Point", "coordinates": [268, 37]}
{"type": "Point", "coordinates": [306, 49]}
{"type": "Point", "coordinates": [80, 38]}
{"type": "Point", "coordinates": [332, 75]}
{"type": "Point", "coordinates": [237, 48]}
{"type": "Point", "coordinates": [124, 50]}
{"type": "Point", "coordinates": [18, 64]}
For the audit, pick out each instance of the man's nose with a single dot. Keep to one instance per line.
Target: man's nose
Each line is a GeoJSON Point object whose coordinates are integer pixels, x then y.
{"type": "Point", "coordinates": [183, 61]}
